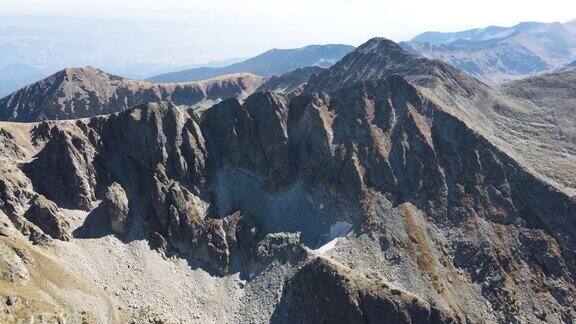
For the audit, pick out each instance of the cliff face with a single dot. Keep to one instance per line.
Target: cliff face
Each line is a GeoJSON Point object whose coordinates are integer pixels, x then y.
{"type": "Point", "coordinates": [368, 192]}
{"type": "Point", "coordinates": [87, 92]}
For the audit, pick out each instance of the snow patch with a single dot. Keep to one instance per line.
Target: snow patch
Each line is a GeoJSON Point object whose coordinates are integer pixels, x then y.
{"type": "Point", "coordinates": [337, 231]}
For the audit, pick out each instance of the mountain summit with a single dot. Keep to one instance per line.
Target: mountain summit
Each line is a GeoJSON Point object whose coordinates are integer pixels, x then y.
{"type": "Point", "coordinates": [375, 59]}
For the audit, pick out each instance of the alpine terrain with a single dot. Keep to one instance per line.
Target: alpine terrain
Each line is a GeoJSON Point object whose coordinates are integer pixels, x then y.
{"type": "Point", "coordinates": [386, 188]}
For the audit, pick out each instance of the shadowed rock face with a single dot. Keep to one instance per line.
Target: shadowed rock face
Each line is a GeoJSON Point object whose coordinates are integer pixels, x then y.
{"type": "Point", "coordinates": [88, 92]}
{"type": "Point", "coordinates": [326, 292]}
{"type": "Point", "coordinates": [390, 143]}
{"type": "Point", "coordinates": [46, 215]}
{"type": "Point", "coordinates": [253, 136]}
{"type": "Point", "coordinates": [63, 170]}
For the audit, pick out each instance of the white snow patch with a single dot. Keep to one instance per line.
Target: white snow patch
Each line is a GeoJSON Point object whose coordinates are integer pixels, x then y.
{"type": "Point", "coordinates": [326, 247]}
{"type": "Point", "coordinates": [337, 231]}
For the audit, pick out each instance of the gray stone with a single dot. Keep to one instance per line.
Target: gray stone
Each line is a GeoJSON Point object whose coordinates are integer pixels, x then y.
{"type": "Point", "coordinates": [48, 217]}
{"type": "Point", "coordinates": [116, 204]}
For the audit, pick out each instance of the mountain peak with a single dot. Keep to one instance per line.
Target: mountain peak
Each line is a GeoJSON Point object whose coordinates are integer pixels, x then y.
{"type": "Point", "coordinates": [378, 58]}
{"type": "Point", "coordinates": [380, 45]}
{"type": "Point", "coordinates": [79, 74]}
{"type": "Point", "coordinates": [75, 70]}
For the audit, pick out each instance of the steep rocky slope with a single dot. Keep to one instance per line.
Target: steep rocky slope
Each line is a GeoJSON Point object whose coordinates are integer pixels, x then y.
{"type": "Point", "coordinates": [389, 189]}
{"type": "Point", "coordinates": [272, 62]}
{"type": "Point", "coordinates": [554, 94]}
{"type": "Point", "coordinates": [87, 92]}
{"type": "Point", "coordinates": [536, 138]}
{"type": "Point", "coordinates": [498, 54]}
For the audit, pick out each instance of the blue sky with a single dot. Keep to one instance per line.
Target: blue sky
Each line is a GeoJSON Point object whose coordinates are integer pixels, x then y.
{"type": "Point", "coordinates": [218, 29]}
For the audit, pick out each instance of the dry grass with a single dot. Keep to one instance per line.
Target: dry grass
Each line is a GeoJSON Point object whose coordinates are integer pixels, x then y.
{"type": "Point", "coordinates": [420, 248]}
{"type": "Point", "coordinates": [49, 291]}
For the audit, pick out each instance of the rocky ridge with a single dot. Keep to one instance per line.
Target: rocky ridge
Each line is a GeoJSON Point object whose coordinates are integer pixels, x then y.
{"type": "Point", "coordinates": [88, 92]}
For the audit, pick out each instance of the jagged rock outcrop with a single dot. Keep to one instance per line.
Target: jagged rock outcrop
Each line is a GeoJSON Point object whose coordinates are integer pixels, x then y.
{"type": "Point", "coordinates": [16, 190]}
{"type": "Point", "coordinates": [116, 205]}
{"type": "Point", "coordinates": [63, 170]}
{"type": "Point", "coordinates": [213, 241]}
{"type": "Point", "coordinates": [46, 215]}
{"type": "Point", "coordinates": [87, 92]}
{"type": "Point", "coordinates": [253, 136]}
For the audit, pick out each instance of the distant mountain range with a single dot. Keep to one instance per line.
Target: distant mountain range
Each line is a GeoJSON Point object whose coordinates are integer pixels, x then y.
{"type": "Point", "coordinates": [272, 62]}
{"type": "Point", "coordinates": [87, 91]}
{"type": "Point", "coordinates": [497, 54]}
{"type": "Point", "coordinates": [15, 76]}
